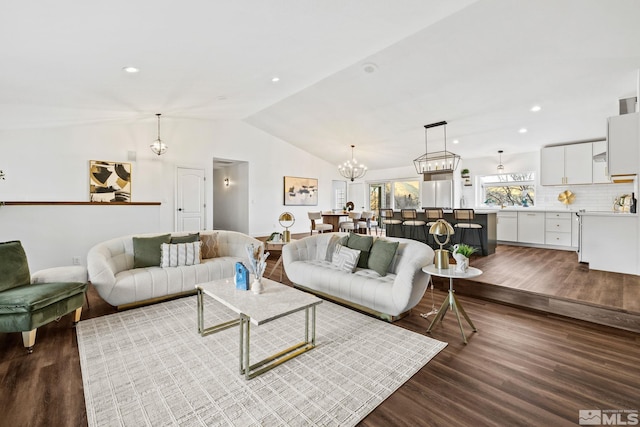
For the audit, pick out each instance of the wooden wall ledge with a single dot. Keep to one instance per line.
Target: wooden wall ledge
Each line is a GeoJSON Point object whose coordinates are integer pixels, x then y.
{"type": "Point", "coordinates": [82, 203]}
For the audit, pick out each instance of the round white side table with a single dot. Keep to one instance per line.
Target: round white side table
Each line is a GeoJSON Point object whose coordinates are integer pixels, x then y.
{"type": "Point", "coordinates": [451, 302]}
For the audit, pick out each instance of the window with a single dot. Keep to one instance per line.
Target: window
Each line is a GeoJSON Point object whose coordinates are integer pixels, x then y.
{"type": "Point", "coordinates": [402, 194]}
{"type": "Point", "coordinates": [509, 189]}
{"type": "Point", "coordinates": [379, 196]}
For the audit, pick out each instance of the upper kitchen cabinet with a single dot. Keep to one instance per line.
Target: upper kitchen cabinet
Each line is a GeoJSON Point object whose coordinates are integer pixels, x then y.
{"type": "Point", "coordinates": [600, 171]}
{"type": "Point", "coordinates": [623, 137]}
{"type": "Point", "coordinates": [566, 164]}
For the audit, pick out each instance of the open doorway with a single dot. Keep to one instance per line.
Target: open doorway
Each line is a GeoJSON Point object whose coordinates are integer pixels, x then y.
{"type": "Point", "coordinates": [231, 195]}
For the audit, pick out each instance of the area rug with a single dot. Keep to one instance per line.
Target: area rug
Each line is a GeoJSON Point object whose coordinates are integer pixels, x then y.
{"type": "Point", "coordinates": [149, 366]}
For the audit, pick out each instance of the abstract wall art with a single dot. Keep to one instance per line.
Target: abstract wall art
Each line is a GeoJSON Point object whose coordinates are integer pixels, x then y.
{"type": "Point", "coordinates": [300, 191]}
{"type": "Point", "coordinates": [109, 182]}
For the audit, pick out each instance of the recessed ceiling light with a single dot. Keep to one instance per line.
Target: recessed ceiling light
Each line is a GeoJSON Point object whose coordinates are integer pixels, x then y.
{"type": "Point", "coordinates": [369, 67]}
{"type": "Point", "coordinates": [455, 141]}
{"type": "Point", "coordinates": [130, 69]}
{"type": "Point", "coordinates": [523, 130]}
{"type": "Point", "coordinates": [536, 108]}
{"type": "Point", "coordinates": [275, 79]}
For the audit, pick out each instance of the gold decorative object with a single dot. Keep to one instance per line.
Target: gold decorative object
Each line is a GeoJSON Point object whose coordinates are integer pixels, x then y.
{"type": "Point", "coordinates": [286, 220]}
{"type": "Point", "coordinates": [441, 228]}
{"type": "Point", "coordinates": [566, 197]}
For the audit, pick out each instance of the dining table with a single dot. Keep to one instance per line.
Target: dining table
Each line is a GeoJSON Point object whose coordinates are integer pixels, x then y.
{"type": "Point", "coordinates": [334, 218]}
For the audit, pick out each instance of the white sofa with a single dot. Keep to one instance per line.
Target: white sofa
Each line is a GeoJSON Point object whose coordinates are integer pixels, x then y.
{"type": "Point", "coordinates": [110, 266]}
{"type": "Point", "coordinates": [389, 297]}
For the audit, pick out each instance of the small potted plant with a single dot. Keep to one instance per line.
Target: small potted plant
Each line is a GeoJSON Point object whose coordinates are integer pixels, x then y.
{"type": "Point", "coordinates": [464, 173]}
{"type": "Point", "coordinates": [461, 253]}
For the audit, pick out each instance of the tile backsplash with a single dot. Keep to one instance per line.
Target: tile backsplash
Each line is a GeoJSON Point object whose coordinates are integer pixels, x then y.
{"type": "Point", "coordinates": [595, 197]}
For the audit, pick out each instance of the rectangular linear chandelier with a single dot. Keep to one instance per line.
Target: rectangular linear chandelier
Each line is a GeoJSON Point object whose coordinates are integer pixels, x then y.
{"type": "Point", "coordinates": [436, 161]}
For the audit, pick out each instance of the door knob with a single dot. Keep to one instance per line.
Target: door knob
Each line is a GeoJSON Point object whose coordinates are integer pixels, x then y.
{"type": "Point", "coordinates": [179, 209]}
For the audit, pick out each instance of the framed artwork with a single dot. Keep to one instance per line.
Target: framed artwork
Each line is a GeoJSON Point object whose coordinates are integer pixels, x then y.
{"type": "Point", "coordinates": [109, 182]}
{"type": "Point", "coordinates": [300, 191]}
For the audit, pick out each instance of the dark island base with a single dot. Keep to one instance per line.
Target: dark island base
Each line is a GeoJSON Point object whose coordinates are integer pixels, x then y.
{"type": "Point", "coordinates": [471, 238]}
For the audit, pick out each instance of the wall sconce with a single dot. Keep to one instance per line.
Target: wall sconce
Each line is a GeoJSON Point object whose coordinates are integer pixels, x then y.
{"type": "Point", "coordinates": [226, 182]}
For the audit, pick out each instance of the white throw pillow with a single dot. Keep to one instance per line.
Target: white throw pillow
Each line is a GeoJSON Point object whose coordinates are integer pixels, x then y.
{"type": "Point", "coordinates": [176, 254]}
{"type": "Point", "coordinates": [345, 258]}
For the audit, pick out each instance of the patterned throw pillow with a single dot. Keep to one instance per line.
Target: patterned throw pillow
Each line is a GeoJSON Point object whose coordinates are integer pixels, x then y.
{"type": "Point", "coordinates": [209, 245]}
{"type": "Point", "coordinates": [177, 254]}
{"type": "Point", "coordinates": [345, 258]}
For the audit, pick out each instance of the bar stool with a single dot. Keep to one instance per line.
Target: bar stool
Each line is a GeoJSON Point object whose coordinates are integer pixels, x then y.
{"type": "Point", "coordinates": [318, 226]}
{"type": "Point", "coordinates": [410, 219]}
{"type": "Point", "coordinates": [386, 216]}
{"type": "Point", "coordinates": [351, 225]}
{"type": "Point", "coordinates": [432, 215]}
{"type": "Point", "coordinates": [464, 218]}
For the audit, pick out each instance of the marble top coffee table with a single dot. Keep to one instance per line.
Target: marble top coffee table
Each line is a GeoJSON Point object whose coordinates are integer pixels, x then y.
{"type": "Point", "coordinates": [276, 301]}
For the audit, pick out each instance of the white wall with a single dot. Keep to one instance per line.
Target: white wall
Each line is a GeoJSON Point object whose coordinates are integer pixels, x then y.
{"type": "Point", "coordinates": [53, 165]}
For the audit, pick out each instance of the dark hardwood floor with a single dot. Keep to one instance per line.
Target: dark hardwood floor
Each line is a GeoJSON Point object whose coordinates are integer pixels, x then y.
{"type": "Point", "coordinates": [522, 367]}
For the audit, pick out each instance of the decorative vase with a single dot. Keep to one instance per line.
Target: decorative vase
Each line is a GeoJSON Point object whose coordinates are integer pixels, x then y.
{"type": "Point", "coordinates": [462, 263]}
{"type": "Point", "coordinates": [256, 286]}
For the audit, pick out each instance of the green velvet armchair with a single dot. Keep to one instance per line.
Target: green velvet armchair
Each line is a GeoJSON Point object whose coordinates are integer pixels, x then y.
{"type": "Point", "coordinates": [27, 303]}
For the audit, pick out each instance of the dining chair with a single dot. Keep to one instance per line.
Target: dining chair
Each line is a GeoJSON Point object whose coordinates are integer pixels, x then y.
{"type": "Point", "coordinates": [320, 227]}
{"type": "Point", "coordinates": [352, 224]}
{"type": "Point", "coordinates": [367, 222]}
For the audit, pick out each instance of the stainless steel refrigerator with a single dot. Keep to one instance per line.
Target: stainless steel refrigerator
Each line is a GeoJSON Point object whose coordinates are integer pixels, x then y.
{"type": "Point", "coordinates": [437, 194]}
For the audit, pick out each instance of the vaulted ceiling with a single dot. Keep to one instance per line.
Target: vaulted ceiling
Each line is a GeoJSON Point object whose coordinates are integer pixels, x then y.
{"type": "Point", "coordinates": [365, 72]}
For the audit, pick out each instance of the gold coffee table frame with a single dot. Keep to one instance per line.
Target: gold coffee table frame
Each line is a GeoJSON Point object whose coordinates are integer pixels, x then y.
{"type": "Point", "coordinates": [275, 302]}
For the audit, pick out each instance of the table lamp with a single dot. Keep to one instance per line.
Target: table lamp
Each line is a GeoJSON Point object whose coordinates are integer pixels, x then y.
{"type": "Point", "coordinates": [286, 220]}
{"type": "Point", "coordinates": [441, 228]}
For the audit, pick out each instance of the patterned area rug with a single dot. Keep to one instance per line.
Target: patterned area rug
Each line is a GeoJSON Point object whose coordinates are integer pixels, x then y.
{"type": "Point", "coordinates": [149, 366]}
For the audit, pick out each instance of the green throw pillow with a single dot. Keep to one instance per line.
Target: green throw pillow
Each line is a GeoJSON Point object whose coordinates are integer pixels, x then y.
{"type": "Point", "coordinates": [363, 244]}
{"type": "Point", "coordinates": [146, 250]}
{"type": "Point", "coordinates": [14, 269]}
{"type": "Point", "coordinates": [381, 255]}
{"type": "Point", "coordinates": [189, 238]}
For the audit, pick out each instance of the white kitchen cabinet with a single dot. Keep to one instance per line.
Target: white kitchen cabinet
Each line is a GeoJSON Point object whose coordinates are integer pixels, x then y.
{"type": "Point", "coordinates": [558, 227]}
{"type": "Point", "coordinates": [507, 226]}
{"type": "Point", "coordinates": [623, 138]}
{"type": "Point", "coordinates": [531, 227]}
{"type": "Point", "coordinates": [599, 168]}
{"type": "Point", "coordinates": [614, 250]}
{"type": "Point", "coordinates": [566, 164]}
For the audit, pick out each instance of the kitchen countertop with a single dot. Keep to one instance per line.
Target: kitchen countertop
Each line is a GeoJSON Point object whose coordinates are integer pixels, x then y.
{"type": "Point", "coordinates": [534, 209]}
{"type": "Point", "coordinates": [607, 213]}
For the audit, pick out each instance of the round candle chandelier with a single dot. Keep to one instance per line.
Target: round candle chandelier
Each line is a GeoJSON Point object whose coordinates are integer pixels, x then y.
{"type": "Point", "coordinates": [351, 169]}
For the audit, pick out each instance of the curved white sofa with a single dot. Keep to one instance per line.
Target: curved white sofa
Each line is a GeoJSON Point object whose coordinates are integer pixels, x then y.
{"type": "Point", "coordinates": [110, 267]}
{"type": "Point", "coordinates": [389, 297]}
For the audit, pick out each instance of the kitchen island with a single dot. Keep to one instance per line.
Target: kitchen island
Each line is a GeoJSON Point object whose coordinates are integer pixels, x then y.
{"type": "Point", "coordinates": [486, 218]}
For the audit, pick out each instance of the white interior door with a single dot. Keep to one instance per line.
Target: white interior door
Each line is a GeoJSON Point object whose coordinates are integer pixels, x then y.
{"type": "Point", "coordinates": [190, 199]}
